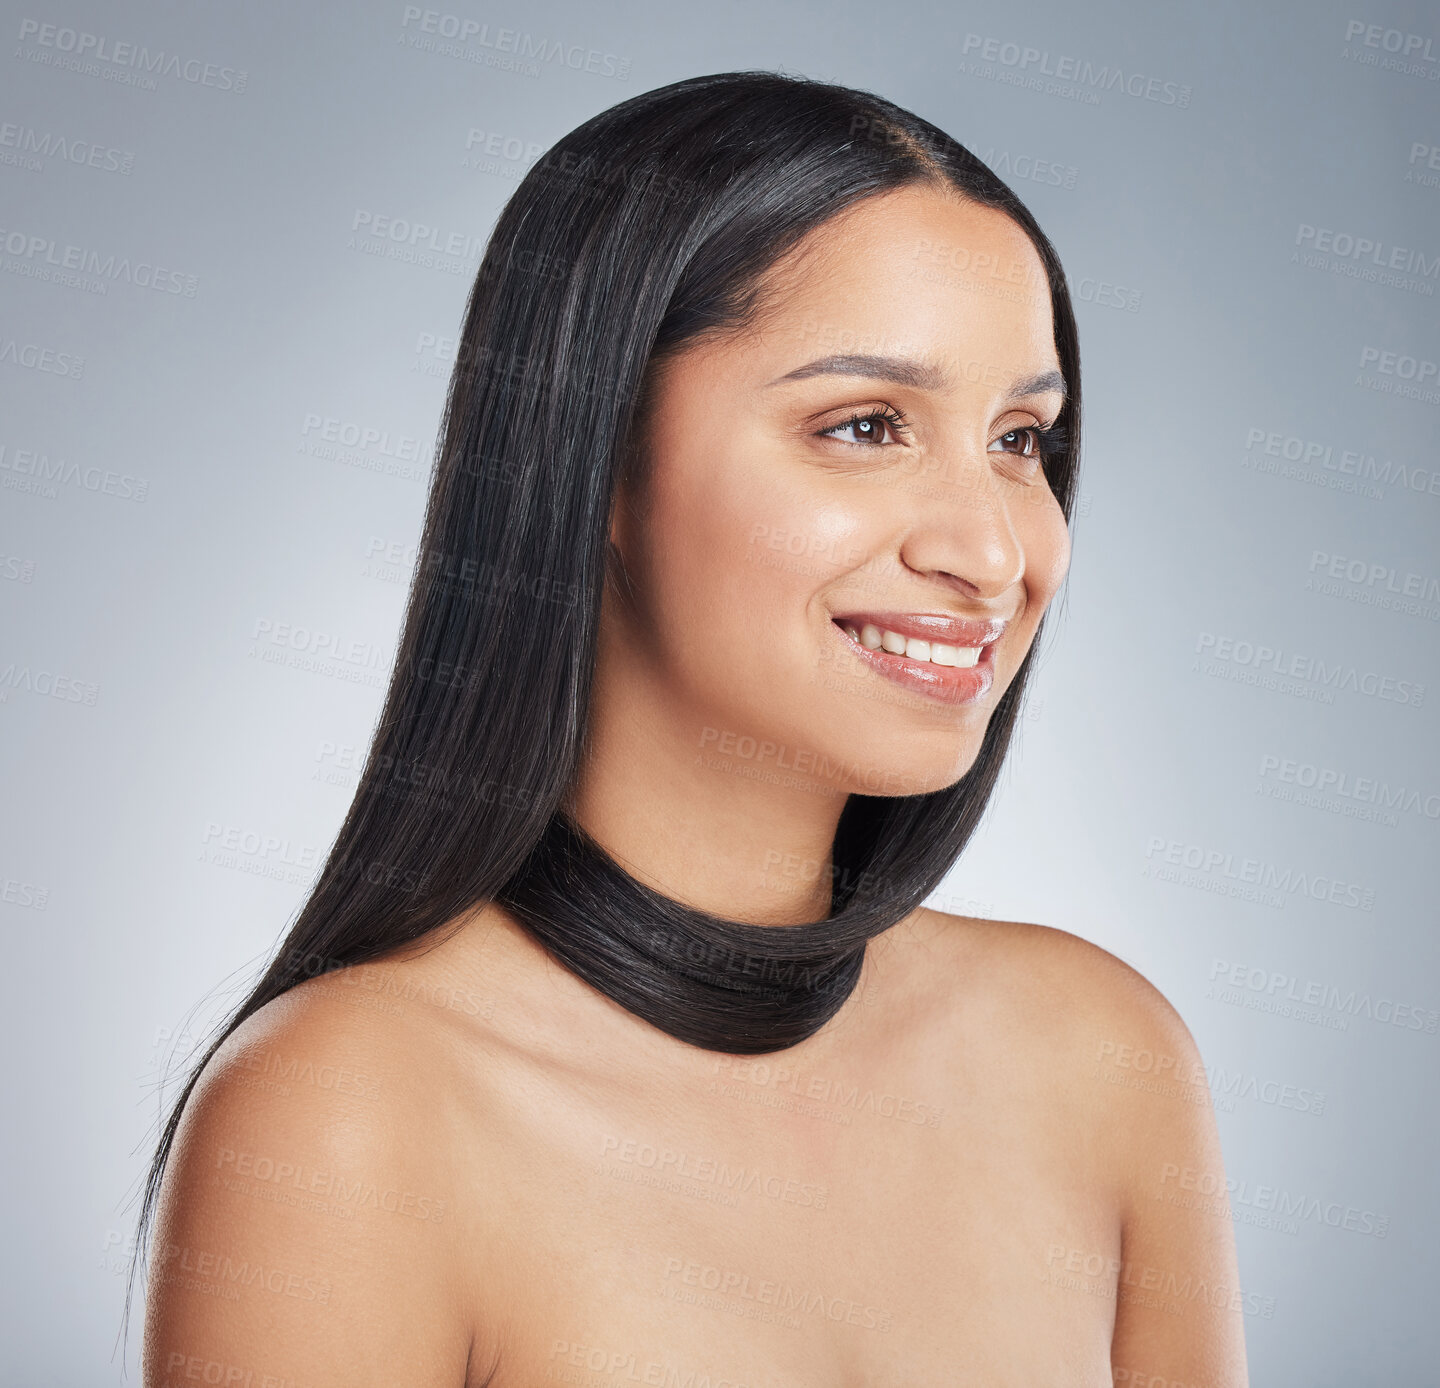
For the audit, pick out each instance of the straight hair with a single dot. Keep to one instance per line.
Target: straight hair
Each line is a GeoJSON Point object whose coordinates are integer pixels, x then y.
{"type": "Point", "coordinates": [645, 230]}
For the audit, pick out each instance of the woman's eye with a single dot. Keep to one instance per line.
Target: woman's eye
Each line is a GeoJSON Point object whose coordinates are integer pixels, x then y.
{"type": "Point", "coordinates": [1028, 439]}
{"type": "Point", "coordinates": [867, 429]}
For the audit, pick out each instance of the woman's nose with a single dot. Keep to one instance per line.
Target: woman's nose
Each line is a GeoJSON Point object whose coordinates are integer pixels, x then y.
{"type": "Point", "coordinates": [967, 534]}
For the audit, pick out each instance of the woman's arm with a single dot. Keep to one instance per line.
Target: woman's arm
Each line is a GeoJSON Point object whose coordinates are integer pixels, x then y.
{"type": "Point", "coordinates": [1179, 1316]}
{"type": "Point", "coordinates": [305, 1233]}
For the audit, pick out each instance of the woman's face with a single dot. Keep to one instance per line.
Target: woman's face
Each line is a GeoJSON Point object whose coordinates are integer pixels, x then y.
{"type": "Point", "coordinates": [805, 502]}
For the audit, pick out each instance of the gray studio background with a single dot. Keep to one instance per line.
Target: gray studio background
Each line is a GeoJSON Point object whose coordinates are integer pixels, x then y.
{"type": "Point", "coordinates": [223, 353]}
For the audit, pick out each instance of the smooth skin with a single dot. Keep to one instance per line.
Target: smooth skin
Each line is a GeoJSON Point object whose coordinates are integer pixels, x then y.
{"type": "Point", "coordinates": [465, 1167]}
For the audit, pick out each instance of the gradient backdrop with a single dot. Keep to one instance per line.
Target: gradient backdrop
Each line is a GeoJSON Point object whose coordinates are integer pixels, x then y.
{"type": "Point", "coordinates": [235, 244]}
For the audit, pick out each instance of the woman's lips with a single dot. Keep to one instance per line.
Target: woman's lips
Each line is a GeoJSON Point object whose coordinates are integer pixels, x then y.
{"type": "Point", "coordinates": [954, 682]}
{"type": "Point", "coordinates": [928, 626]}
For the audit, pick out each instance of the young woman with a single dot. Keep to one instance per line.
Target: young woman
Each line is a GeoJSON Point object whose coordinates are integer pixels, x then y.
{"type": "Point", "coordinates": [615, 1044]}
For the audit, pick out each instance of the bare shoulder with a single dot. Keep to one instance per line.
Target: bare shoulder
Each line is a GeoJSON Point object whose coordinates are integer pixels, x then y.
{"type": "Point", "coordinates": [1132, 1078]}
{"type": "Point", "coordinates": [309, 1225]}
{"type": "Point", "coordinates": [1064, 984]}
{"type": "Point", "coordinates": [1109, 1035]}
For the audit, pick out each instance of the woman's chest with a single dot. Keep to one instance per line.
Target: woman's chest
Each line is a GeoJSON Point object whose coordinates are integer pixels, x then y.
{"type": "Point", "coordinates": [860, 1241]}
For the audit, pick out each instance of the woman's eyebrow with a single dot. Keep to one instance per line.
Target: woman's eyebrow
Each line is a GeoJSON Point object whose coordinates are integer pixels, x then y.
{"type": "Point", "coordinates": [906, 371]}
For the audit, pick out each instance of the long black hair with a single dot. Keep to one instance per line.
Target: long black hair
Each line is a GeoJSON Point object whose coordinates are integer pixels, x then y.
{"type": "Point", "coordinates": [641, 231]}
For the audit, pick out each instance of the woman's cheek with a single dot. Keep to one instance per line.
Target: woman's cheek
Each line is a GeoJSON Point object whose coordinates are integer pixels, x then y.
{"type": "Point", "coordinates": [823, 539]}
{"type": "Point", "coordinates": [1047, 553]}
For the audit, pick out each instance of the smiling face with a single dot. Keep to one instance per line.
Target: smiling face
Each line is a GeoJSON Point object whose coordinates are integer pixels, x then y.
{"type": "Point", "coordinates": [842, 540]}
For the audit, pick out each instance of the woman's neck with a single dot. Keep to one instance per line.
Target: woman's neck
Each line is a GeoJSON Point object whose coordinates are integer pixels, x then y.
{"type": "Point", "coordinates": [714, 820]}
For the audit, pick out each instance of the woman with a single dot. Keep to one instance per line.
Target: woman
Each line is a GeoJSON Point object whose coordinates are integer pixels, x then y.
{"type": "Point", "coordinates": [615, 1044]}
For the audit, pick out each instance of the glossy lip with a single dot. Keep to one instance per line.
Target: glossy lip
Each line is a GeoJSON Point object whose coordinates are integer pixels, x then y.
{"type": "Point", "coordinates": [948, 684]}
{"type": "Point", "coordinates": [929, 626]}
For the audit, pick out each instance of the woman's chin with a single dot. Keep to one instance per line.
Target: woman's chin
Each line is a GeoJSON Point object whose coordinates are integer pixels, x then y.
{"type": "Point", "coordinates": [876, 767]}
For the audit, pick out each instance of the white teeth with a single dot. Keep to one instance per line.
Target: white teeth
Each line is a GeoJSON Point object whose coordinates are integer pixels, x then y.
{"type": "Point", "coordinates": [912, 648]}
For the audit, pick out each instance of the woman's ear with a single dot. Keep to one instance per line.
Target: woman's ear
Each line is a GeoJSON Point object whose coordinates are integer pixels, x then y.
{"type": "Point", "coordinates": [627, 511]}
{"type": "Point", "coordinates": [617, 519]}
{"type": "Point", "coordinates": [627, 507]}
{"type": "Point", "coordinates": [623, 527]}
{"type": "Point", "coordinates": [616, 573]}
